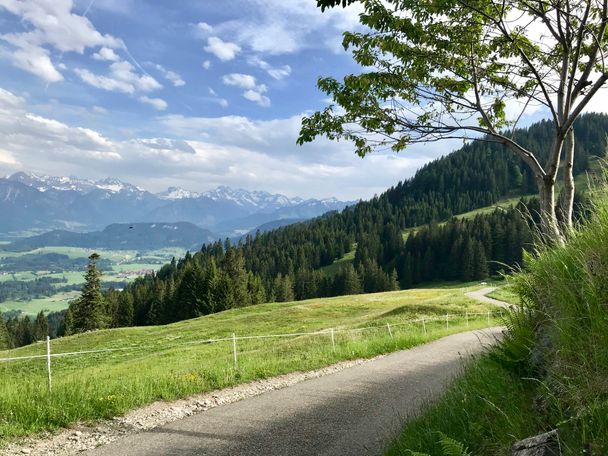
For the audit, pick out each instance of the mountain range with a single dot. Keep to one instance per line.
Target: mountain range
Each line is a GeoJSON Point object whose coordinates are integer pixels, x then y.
{"type": "Point", "coordinates": [36, 202]}
{"type": "Point", "coordinates": [121, 236]}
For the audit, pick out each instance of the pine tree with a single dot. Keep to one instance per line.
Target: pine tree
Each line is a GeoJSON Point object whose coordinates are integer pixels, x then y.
{"type": "Point", "coordinates": [41, 327]}
{"type": "Point", "coordinates": [87, 312]}
{"type": "Point", "coordinates": [4, 335]}
{"type": "Point", "coordinates": [124, 311]}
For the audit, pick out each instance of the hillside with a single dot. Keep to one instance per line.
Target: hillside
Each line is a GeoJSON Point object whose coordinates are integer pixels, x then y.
{"type": "Point", "coordinates": [291, 262]}
{"type": "Point", "coordinates": [165, 362]}
{"type": "Point", "coordinates": [550, 371]}
{"type": "Point", "coordinates": [133, 236]}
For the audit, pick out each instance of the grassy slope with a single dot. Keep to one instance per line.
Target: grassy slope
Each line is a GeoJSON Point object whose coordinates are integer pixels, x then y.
{"type": "Point", "coordinates": [523, 388]}
{"type": "Point", "coordinates": [164, 363]}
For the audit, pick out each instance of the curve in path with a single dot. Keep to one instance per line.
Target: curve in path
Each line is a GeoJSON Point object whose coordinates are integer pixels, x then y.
{"type": "Point", "coordinates": [357, 411]}
{"type": "Point", "coordinates": [481, 296]}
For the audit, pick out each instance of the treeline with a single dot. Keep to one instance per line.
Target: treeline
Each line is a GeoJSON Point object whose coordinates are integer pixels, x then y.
{"type": "Point", "coordinates": [19, 289]}
{"type": "Point", "coordinates": [20, 331]}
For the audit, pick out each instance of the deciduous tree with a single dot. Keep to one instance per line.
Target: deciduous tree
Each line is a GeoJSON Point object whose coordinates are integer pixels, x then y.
{"type": "Point", "coordinates": [437, 69]}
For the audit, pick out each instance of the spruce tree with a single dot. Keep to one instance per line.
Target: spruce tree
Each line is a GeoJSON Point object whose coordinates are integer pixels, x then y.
{"type": "Point", "coordinates": [41, 327]}
{"type": "Point", "coordinates": [4, 336]}
{"type": "Point", "coordinates": [124, 311]}
{"type": "Point", "coordinates": [87, 312]}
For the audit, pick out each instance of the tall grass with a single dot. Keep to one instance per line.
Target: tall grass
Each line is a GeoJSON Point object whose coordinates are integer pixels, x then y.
{"type": "Point", "coordinates": [551, 371]}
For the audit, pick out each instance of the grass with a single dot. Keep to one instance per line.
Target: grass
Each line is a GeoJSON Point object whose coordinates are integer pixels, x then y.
{"type": "Point", "coordinates": [506, 293]}
{"type": "Point", "coordinates": [487, 409]}
{"type": "Point", "coordinates": [165, 362]}
{"type": "Point", "coordinates": [550, 372]}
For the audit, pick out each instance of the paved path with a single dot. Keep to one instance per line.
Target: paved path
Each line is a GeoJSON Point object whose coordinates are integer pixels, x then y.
{"type": "Point", "coordinates": [480, 295]}
{"type": "Point", "coordinates": [357, 411]}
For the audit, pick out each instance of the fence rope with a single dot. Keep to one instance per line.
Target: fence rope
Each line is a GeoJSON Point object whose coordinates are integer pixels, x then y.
{"type": "Point", "coordinates": [234, 338]}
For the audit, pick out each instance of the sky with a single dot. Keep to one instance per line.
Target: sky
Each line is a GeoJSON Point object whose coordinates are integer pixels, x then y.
{"type": "Point", "coordinates": [187, 93]}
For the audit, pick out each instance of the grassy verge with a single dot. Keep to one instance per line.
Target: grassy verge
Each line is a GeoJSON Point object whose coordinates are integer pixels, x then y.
{"type": "Point", "coordinates": [551, 372]}
{"type": "Point", "coordinates": [166, 362]}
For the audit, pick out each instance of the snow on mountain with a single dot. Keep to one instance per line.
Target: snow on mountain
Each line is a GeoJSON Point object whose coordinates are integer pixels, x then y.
{"type": "Point", "coordinates": [45, 183]}
{"type": "Point", "coordinates": [176, 193]}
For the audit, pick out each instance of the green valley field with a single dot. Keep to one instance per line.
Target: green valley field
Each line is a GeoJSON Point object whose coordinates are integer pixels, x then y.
{"type": "Point", "coordinates": [167, 362]}
{"type": "Point", "coordinates": [122, 266]}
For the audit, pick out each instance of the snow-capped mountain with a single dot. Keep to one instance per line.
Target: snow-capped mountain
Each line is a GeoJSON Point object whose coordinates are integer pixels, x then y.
{"type": "Point", "coordinates": [31, 201]}
{"type": "Point", "coordinates": [44, 183]}
{"type": "Point", "coordinates": [177, 193]}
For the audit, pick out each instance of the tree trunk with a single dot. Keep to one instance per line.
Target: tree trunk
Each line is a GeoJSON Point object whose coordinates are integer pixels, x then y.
{"type": "Point", "coordinates": [548, 218]}
{"type": "Point", "coordinates": [568, 200]}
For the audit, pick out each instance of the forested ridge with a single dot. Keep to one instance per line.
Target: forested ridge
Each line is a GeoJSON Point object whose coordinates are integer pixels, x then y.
{"type": "Point", "coordinates": [288, 263]}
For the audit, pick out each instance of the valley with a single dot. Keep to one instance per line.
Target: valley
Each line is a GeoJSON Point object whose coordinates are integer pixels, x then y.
{"type": "Point", "coordinates": [119, 267]}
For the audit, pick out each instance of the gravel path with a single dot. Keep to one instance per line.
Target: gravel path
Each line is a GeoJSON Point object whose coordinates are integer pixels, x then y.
{"type": "Point", "coordinates": [480, 295]}
{"type": "Point", "coordinates": [356, 411]}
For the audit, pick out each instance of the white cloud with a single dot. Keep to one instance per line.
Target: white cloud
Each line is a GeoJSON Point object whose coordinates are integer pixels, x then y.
{"type": "Point", "coordinates": [204, 27]}
{"type": "Point", "coordinates": [253, 91]}
{"type": "Point", "coordinates": [207, 64]}
{"type": "Point", "coordinates": [122, 78]}
{"type": "Point", "coordinates": [275, 27]}
{"type": "Point", "coordinates": [257, 97]}
{"type": "Point", "coordinates": [51, 24]}
{"type": "Point", "coordinates": [244, 81]}
{"type": "Point", "coordinates": [106, 54]}
{"type": "Point", "coordinates": [228, 150]}
{"type": "Point", "coordinates": [171, 76]}
{"type": "Point", "coordinates": [99, 110]}
{"type": "Point", "coordinates": [32, 139]}
{"type": "Point", "coordinates": [223, 50]}
{"type": "Point", "coordinates": [277, 73]}
{"type": "Point", "coordinates": [157, 103]}
{"type": "Point", "coordinates": [35, 60]}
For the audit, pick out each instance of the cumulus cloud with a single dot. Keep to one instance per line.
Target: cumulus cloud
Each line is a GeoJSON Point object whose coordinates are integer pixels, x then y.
{"type": "Point", "coordinates": [257, 97]}
{"type": "Point", "coordinates": [244, 81]}
{"type": "Point", "coordinates": [206, 64]}
{"type": "Point", "coordinates": [51, 24]}
{"type": "Point", "coordinates": [228, 150]}
{"type": "Point", "coordinates": [223, 50]}
{"type": "Point", "coordinates": [204, 27]}
{"type": "Point", "coordinates": [253, 91]}
{"type": "Point", "coordinates": [121, 78]}
{"type": "Point", "coordinates": [171, 76]}
{"type": "Point", "coordinates": [277, 73]}
{"type": "Point", "coordinates": [106, 54]}
{"type": "Point", "coordinates": [275, 27]}
{"type": "Point", "coordinates": [157, 103]}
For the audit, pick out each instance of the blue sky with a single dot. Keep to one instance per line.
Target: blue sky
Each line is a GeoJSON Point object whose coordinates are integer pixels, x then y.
{"type": "Point", "coordinates": [183, 93]}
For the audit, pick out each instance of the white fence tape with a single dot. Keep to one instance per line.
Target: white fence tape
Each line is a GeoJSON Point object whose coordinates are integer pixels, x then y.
{"type": "Point", "coordinates": [234, 338]}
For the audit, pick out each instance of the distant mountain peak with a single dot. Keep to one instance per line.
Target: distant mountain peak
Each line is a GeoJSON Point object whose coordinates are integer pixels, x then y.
{"type": "Point", "coordinates": [177, 193]}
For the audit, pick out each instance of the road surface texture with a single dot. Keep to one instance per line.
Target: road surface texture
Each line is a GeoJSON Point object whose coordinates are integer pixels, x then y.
{"type": "Point", "coordinates": [357, 411]}
{"type": "Point", "coordinates": [480, 295]}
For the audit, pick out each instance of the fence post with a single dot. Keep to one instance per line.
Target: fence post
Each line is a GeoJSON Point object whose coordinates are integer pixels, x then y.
{"type": "Point", "coordinates": [390, 333]}
{"type": "Point", "coordinates": [333, 340]}
{"type": "Point", "coordinates": [234, 348]}
{"type": "Point", "coordinates": [424, 326]}
{"type": "Point", "coordinates": [447, 321]}
{"type": "Point", "coordinates": [48, 360]}
{"type": "Point", "coordinates": [488, 317]}
{"type": "Point", "coordinates": [466, 317]}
